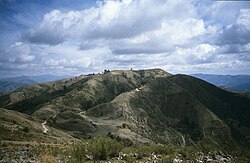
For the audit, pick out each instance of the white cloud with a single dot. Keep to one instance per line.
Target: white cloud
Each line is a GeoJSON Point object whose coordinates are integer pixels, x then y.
{"type": "Point", "coordinates": [202, 53]}
{"type": "Point", "coordinates": [111, 20]}
{"type": "Point", "coordinates": [81, 62]}
{"type": "Point", "coordinates": [19, 52]}
{"type": "Point", "coordinates": [239, 31]}
{"type": "Point", "coordinates": [244, 19]}
{"type": "Point", "coordinates": [170, 34]}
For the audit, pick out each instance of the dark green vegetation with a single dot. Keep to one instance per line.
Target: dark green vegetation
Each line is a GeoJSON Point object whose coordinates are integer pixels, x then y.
{"type": "Point", "coordinates": [144, 106]}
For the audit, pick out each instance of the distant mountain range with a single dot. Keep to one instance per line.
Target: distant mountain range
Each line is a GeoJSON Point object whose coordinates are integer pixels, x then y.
{"type": "Point", "coordinates": [11, 84]}
{"type": "Point", "coordinates": [231, 82]}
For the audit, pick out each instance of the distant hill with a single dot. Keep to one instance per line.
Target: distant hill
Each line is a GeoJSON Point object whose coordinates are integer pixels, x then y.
{"type": "Point", "coordinates": [233, 82]}
{"type": "Point", "coordinates": [11, 84]}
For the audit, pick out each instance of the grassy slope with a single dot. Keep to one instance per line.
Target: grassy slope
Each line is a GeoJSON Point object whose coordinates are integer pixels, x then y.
{"type": "Point", "coordinates": [232, 108]}
{"type": "Point", "coordinates": [17, 126]}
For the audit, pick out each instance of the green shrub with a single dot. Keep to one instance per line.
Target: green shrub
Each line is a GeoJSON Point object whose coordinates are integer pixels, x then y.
{"type": "Point", "coordinates": [78, 151]}
{"type": "Point", "coordinates": [103, 147]}
{"type": "Point", "coordinates": [129, 159]}
{"type": "Point", "coordinates": [167, 160]}
{"type": "Point", "coordinates": [129, 150]}
{"type": "Point", "coordinates": [164, 149]}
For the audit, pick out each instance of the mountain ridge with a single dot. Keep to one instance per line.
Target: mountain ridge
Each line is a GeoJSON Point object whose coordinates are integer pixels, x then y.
{"type": "Point", "coordinates": [139, 105]}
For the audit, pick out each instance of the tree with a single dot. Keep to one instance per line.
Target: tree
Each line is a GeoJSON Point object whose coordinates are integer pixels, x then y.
{"type": "Point", "coordinates": [106, 71]}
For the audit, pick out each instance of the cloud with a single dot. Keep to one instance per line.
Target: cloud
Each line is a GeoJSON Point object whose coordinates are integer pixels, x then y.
{"type": "Point", "coordinates": [18, 52]}
{"type": "Point", "coordinates": [49, 31]}
{"type": "Point", "coordinates": [109, 20]}
{"type": "Point", "coordinates": [239, 32]}
{"type": "Point", "coordinates": [244, 19]}
{"type": "Point", "coordinates": [203, 53]}
{"type": "Point", "coordinates": [81, 62]}
{"type": "Point", "coordinates": [170, 34]}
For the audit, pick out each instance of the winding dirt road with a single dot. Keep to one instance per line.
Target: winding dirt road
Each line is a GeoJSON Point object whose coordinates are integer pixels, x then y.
{"type": "Point", "coordinates": [45, 129]}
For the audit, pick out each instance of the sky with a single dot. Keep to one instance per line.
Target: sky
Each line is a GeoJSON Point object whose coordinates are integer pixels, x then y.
{"type": "Point", "coordinates": [73, 37]}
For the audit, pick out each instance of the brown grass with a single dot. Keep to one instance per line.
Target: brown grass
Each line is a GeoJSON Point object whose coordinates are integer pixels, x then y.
{"type": "Point", "coordinates": [46, 158]}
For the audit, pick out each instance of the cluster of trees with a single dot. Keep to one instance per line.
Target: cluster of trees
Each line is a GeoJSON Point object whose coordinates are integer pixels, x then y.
{"type": "Point", "coordinates": [106, 71]}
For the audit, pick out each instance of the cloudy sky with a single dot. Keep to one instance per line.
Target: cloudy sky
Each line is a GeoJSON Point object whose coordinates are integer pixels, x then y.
{"type": "Point", "coordinates": [72, 37]}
